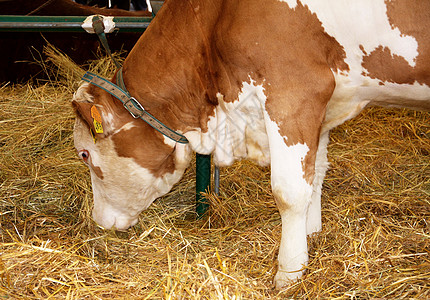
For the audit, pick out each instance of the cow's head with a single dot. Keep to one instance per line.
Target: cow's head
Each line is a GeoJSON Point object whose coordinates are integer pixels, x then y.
{"type": "Point", "coordinates": [131, 164]}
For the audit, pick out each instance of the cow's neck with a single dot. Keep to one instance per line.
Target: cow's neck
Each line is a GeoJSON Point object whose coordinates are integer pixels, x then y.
{"type": "Point", "coordinates": [168, 70]}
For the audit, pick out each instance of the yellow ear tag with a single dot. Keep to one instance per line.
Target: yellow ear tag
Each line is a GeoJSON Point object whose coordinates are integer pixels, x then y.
{"type": "Point", "coordinates": [98, 126]}
{"type": "Point", "coordinates": [97, 119]}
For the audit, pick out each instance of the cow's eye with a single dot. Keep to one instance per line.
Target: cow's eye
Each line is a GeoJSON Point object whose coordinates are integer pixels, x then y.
{"type": "Point", "coordinates": [84, 154]}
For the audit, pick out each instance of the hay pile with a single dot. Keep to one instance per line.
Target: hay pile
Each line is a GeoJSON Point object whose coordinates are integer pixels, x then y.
{"type": "Point", "coordinates": [375, 240]}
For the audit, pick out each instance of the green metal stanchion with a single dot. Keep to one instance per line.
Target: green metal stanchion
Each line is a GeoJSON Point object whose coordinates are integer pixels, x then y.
{"type": "Point", "coordinates": [203, 182]}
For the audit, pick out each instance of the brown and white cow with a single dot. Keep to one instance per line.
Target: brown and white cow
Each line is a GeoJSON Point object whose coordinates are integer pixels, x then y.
{"type": "Point", "coordinates": [263, 80]}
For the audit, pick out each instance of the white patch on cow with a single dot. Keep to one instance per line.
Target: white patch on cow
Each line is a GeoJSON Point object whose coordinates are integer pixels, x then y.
{"type": "Point", "coordinates": [126, 187]}
{"type": "Point", "coordinates": [203, 143]}
{"type": "Point", "coordinates": [125, 127]}
{"type": "Point", "coordinates": [236, 130]}
{"type": "Point", "coordinates": [355, 23]}
{"type": "Point", "coordinates": [168, 141]}
{"type": "Point", "coordinates": [291, 3]}
{"type": "Point", "coordinates": [345, 103]}
{"type": "Point", "coordinates": [108, 118]}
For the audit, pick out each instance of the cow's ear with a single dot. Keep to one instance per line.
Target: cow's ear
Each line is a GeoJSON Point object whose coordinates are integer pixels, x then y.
{"type": "Point", "coordinates": [92, 115]}
{"type": "Point", "coordinates": [83, 109]}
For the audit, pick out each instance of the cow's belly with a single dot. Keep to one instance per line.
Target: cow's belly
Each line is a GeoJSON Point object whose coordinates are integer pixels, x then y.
{"type": "Point", "coordinates": [351, 95]}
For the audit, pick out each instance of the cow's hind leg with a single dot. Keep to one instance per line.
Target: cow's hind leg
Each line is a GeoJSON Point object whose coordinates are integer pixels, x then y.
{"type": "Point", "coordinates": [292, 193]}
{"type": "Point", "coordinates": [313, 223]}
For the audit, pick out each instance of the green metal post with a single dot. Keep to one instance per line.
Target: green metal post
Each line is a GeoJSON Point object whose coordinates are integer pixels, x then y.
{"type": "Point", "coordinates": [203, 182]}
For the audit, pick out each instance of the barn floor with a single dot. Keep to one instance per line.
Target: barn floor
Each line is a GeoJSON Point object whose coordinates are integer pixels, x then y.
{"type": "Point", "coordinates": [375, 241]}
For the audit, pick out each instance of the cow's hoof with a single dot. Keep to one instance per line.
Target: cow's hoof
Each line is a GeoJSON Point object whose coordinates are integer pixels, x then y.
{"type": "Point", "coordinates": [284, 278]}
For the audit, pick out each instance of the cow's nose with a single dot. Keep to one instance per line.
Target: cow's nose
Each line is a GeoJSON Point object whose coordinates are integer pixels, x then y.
{"type": "Point", "coordinates": [123, 224]}
{"type": "Point", "coordinates": [109, 220]}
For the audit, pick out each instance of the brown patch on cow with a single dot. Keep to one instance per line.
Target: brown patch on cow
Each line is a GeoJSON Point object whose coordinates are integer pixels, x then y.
{"type": "Point", "coordinates": [282, 205]}
{"type": "Point", "coordinates": [362, 49]}
{"type": "Point", "coordinates": [146, 147]}
{"type": "Point", "coordinates": [97, 171]}
{"type": "Point", "coordinates": [308, 168]}
{"type": "Point", "coordinates": [83, 110]}
{"type": "Point", "coordinates": [383, 65]}
{"type": "Point", "coordinates": [412, 19]}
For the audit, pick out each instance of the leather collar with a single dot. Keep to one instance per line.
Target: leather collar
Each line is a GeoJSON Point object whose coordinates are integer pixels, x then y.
{"type": "Point", "coordinates": [130, 103]}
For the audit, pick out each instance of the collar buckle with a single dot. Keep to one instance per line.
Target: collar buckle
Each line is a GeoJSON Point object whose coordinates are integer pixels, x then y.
{"type": "Point", "coordinates": [134, 107]}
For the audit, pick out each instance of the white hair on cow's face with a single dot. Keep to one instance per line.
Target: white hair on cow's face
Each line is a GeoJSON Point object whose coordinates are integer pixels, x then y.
{"type": "Point", "coordinates": [126, 126]}
{"type": "Point", "coordinates": [82, 94]}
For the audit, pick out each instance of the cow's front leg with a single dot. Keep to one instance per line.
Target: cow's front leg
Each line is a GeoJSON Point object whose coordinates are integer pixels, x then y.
{"type": "Point", "coordinates": [292, 189]}
{"type": "Point", "coordinates": [293, 252]}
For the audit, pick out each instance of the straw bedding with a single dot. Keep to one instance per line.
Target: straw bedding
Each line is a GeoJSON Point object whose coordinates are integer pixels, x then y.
{"type": "Point", "coordinates": [375, 240]}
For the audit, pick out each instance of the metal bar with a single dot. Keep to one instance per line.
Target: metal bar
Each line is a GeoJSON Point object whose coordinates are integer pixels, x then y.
{"type": "Point", "coordinates": [66, 23]}
{"type": "Point", "coordinates": [216, 180]}
{"type": "Point", "coordinates": [203, 182]}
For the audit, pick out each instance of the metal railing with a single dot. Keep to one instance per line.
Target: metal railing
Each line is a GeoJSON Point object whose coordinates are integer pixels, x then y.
{"type": "Point", "coordinates": [66, 23]}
